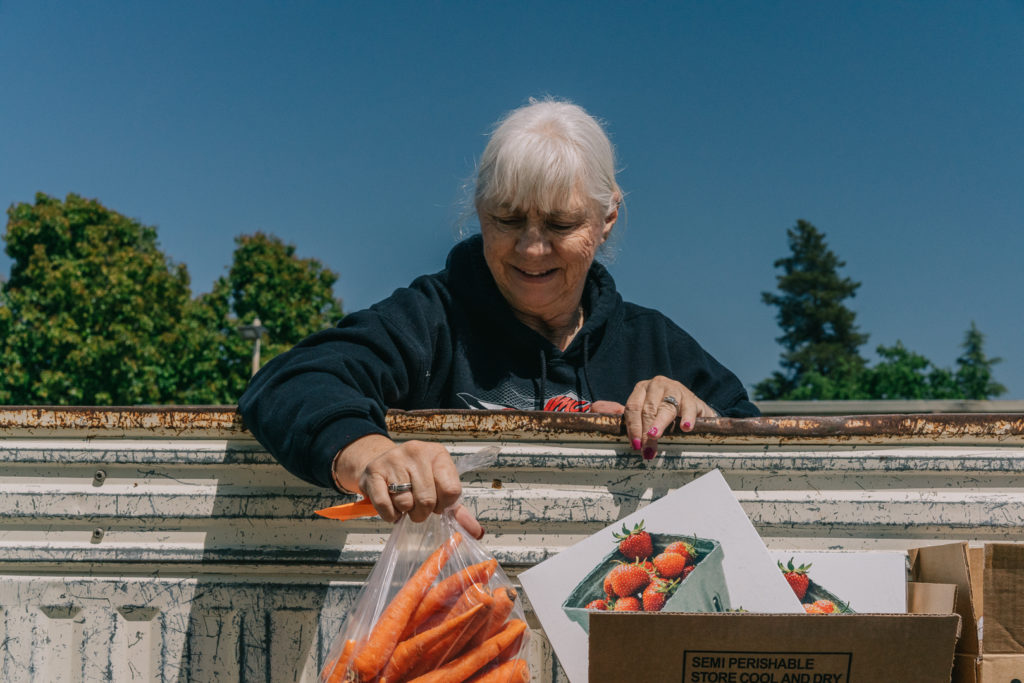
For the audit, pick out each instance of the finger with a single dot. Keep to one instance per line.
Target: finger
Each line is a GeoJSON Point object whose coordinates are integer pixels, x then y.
{"type": "Point", "coordinates": [688, 414]}
{"type": "Point", "coordinates": [607, 408]}
{"type": "Point", "coordinates": [423, 492]}
{"type": "Point", "coordinates": [447, 486]}
{"type": "Point", "coordinates": [468, 522]}
{"type": "Point", "coordinates": [634, 415]}
{"type": "Point", "coordinates": [375, 487]}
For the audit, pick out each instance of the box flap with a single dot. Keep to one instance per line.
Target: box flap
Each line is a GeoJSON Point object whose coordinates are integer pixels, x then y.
{"type": "Point", "coordinates": [1004, 599]}
{"type": "Point", "coordinates": [931, 598]}
{"type": "Point", "coordinates": [948, 564]}
{"type": "Point", "coordinates": [976, 566]}
{"type": "Point", "coordinates": [683, 647]}
{"type": "Point", "coordinates": [966, 669]}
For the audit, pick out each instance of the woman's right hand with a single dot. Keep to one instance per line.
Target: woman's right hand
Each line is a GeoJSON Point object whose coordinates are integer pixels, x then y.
{"type": "Point", "coordinates": [372, 462]}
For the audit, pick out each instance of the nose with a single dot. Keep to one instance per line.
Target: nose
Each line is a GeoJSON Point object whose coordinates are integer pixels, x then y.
{"type": "Point", "coordinates": [533, 241]}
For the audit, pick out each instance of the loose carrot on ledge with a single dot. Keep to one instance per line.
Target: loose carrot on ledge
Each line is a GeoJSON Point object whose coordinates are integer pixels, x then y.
{"type": "Point", "coordinates": [471, 662]}
{"type": "Point", "coordinates": [443, 595]}
{"type": "Point", "coordinates": [409, 652]}
{"type": "Point", "coordinates": [381, 643]}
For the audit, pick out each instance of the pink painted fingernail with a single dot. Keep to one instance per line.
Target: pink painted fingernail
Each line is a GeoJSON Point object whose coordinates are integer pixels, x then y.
{"type": "Point", "coordinates": [648, 453]}
{"type": "Point", "coordinates": [653, 431]}
{"type": "Point", "coordinates": [636, 444]}
{"type": "Point", "coordinates": [686, 425]}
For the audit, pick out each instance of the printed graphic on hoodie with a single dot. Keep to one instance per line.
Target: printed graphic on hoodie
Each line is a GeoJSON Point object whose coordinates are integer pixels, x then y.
{"type": "Point", "coordinates": [510, 399]}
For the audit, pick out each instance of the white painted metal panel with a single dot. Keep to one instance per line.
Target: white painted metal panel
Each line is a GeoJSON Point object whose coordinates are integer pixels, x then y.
{"type": "Point", "coordinates": [167, 546]}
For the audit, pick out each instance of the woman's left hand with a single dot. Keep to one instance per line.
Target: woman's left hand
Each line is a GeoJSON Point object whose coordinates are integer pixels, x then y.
{"type": "Point", "coordinates": [654, 405]}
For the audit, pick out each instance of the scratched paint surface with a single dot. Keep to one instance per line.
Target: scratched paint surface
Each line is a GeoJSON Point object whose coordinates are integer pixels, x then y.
{"type": "Point", "coordinates": [165, 545]}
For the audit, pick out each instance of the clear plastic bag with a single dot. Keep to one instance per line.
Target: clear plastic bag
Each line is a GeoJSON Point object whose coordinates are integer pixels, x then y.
{"type": "Point", "coordinates": [436, 608]}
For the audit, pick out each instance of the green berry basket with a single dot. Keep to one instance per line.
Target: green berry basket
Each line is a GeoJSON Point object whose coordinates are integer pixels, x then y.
{"type": "Point", "coordinates": [816, 592]}
{"type": "Point", "coordinates": [703, 590]}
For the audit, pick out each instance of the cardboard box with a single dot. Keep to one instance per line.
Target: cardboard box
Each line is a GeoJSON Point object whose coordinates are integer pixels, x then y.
{"type": "Point", "coordinates": [990, 602]}
{"type": "Point", "coordinates": [771, 648]}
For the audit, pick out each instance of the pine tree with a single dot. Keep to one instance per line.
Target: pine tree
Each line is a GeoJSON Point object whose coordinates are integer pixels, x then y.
{"type": "Point", "coordinates": [974, 368]}
{"type": "Point", "coordinates": [820, 340]}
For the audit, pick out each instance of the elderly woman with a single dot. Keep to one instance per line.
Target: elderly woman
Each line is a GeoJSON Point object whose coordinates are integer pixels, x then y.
{"type": "Point", "coordinates": [521, 317]}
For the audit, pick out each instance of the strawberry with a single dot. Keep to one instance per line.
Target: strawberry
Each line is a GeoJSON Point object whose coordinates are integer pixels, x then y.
{"type": "Point", "coordinates": [656, 594]}
{"type": "Point", "coordinates": [797, 577]}
{"type": "Point", "coordinates": [629, 604]}
{"type": "Point", "coordinates": [628, 579]}
{"type": "Point", "coordinates": [608, 590]}
{"type": "Point", "coordinates": [635, 544]}
{"type": "Point", "coordinates": [820, 607]}
{"type": "Point", "coordinates": [683, 548]}
{"type": "Point", "coordinates": [670, 565]}
{"type": "Point", "coordinates": [648, 567]}
{"type": "Point", "coordinates": [597, 604]}
{"type": "Point", "coordinates": [688, 570]}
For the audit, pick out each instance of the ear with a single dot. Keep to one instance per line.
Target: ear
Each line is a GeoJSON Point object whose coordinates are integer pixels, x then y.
{"type": "Point", "coordinates": [609, 220]}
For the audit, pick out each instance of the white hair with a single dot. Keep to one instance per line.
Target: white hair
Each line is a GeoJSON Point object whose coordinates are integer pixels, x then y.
{"type": "Point", "coordinates": [541, 154]}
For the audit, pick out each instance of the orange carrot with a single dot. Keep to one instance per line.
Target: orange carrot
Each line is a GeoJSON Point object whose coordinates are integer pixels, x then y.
{"type": "Point", "coordinates": [409, 652]}
{"type": "Point", "coordinates": [384, 636]}
{"type": "Point", "coordinates": [451, 648]}
{"type": "Point", "coordinates": [443, 595]}
{"type": "Point", "coordinates": [512, 671]}
{"type": "Point", "coordinates": [473, 594]}
{"type": "Point", "coordinates": [504, 600]}
{"type": "Point", "coordinates": [468, 664]}
{"type": "Point", "coordinates": [337, 672]}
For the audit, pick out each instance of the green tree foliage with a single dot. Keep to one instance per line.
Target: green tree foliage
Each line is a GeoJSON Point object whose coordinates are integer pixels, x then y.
{"type": "Point", "coordinates": [292, 298]}
{"type": "Point", "coordinates": [974, 368]}
{"type": "Point", "coordinates": [821, 358]}
{"type": "Point", "coordinates": [820, 340]}
{"type": "Point", "coordinates": [95, 314]}
{"type": "Point", "coordinates": [905, 374]}
{"type": "Point", "coordinates": [90, 313]}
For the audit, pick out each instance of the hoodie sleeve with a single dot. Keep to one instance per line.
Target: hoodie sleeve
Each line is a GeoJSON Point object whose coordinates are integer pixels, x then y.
{"type": "Point", "coordinates": [714, 383]}
{"type": "Point", "coordinates": [335, 386]}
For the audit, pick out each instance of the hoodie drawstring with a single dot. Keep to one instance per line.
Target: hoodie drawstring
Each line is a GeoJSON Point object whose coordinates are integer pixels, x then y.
{"type": "Point", "coordinates": [543, 379]}
{"type": "Point", "coordinates": [586, 368]}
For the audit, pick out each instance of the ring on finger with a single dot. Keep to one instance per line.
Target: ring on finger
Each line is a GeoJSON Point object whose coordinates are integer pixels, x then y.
{"type": "Point", "coordinates": [400, 488]}
{"type": "Point", "coordinates": [672, 401]}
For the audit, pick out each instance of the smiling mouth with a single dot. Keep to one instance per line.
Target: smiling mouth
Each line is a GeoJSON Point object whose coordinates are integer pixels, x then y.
{"type": "Point", "coordinates": [535, 273]}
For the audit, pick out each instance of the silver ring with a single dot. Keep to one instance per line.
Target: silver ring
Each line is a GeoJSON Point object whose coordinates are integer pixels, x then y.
{"type": "Point", "coordinates": [399, 488]}
{"type": "Point", "coordinates": [671, 400]}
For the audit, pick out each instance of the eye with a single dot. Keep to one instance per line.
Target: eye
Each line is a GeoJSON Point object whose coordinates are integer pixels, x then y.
{"type": "Point", "coordinates": [562, 227]}
{"type": "Point", "coordinates": [508, 221]}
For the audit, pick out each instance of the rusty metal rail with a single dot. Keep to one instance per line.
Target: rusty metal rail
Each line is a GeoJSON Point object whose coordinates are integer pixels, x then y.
{"type": "Point", "coordinates": [164, 544]}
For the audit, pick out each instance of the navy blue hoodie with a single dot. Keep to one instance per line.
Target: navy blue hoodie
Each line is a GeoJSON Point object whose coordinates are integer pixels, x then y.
{"type": "Point", "coordinates": [450, 340]}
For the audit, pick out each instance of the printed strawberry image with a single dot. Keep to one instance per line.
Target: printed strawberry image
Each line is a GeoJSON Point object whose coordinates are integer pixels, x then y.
{"type": "Point", "coordinates": [797, 577]}
{"type": "Point", "coordinates": [628, 604]}
{"type": "Point", "coordinates": [608, 590]}
{"type": "Point", "coordinates": [656, 594]}
{"type": "Point", "coordinates": [670, 565]}
{"type": "Point", "coordinates": [635, 544]}
{"type": "Point", "coordinates": [820, 607]}
{"type": "Point", "coordinates": [628, 579]}
{"type": "Point", "coordinates": [597, 604]}
{"type": "Point", "coordinates": [682, 548]}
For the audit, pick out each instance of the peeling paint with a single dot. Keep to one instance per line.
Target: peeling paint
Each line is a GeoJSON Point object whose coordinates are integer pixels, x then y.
{"type": "Point", "coordinates": [163, 544]}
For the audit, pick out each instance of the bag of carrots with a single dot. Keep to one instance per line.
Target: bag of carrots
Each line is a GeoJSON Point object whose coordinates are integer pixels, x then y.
{"type": "Point", "coordinates": [436, 608]}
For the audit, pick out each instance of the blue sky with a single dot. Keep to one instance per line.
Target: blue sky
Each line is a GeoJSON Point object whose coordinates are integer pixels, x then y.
{"type": "Point", "coordinates": [349, 129]}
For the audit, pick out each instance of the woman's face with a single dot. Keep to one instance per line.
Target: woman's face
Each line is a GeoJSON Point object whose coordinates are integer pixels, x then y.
{"type": "Point", "coordinates": [540, 260]}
